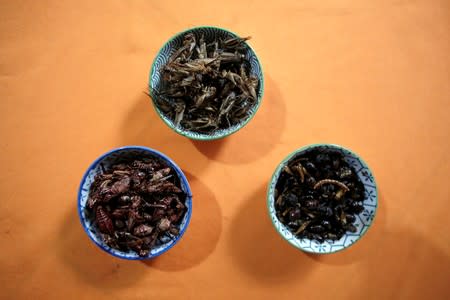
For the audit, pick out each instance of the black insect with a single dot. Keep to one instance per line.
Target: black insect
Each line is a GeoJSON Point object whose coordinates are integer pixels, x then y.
{"type": "Point", "coordinates": [319, 196]}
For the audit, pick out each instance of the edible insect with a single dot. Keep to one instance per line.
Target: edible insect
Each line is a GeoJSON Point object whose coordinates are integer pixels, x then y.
{"type": "Point", "coordinates": [318, 196]}
{"type": "Point", "coordinates": [104, 221]}
{"type": "Point", "coordinates": [331, 181]}
{"type": "Point", "coordinates": [142, 230]}
{"type": "Point", "coordinates": [207, 84]}
{"type": "Point", "coordinates": [164, 224]}
{"type": "Point", "coordinates": [137, 203]}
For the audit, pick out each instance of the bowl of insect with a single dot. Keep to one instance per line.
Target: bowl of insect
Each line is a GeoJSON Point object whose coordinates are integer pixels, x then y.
{"type": "Point", "coordinates": [206, 83]}
{"type": "Point", "coordinates": [322, 198]}
{"type": "Point", "coordinates": [134, 202]}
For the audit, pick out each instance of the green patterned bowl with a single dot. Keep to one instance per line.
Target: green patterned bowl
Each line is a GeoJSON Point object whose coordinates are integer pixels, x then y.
{"type": "Point", "coordinates": [155, 79]}
{"type": "Point", "coordinates": [363, 220]}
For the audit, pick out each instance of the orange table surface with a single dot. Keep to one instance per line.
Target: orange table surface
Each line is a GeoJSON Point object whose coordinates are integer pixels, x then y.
{"type": "Point", "coordinates": [372, 76]}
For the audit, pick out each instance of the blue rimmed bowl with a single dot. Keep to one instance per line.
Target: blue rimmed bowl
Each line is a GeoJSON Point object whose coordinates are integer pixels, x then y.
{"type": "Point", "coordinates": [104, 162]}
{"type": "Point", "coordinates": [156, 80]}
{"type": "Point", "coordinates": [363, 220]}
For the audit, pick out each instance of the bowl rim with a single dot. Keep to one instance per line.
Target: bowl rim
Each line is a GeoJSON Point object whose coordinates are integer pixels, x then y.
{"type": "Point", "coordinates": [188, 134]}
{"type": "Point", "coordinates": [303, 149]}
{"type": "Point", "coordinates": [181, 176]}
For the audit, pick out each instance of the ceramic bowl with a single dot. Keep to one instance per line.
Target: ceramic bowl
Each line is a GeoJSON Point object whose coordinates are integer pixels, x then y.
{"type": "Point", "coordinates": [119, 155]}
{"type": "Point", "coordinates": [363, 220]}
{"type": "Point", "coordinates": [155, 79]}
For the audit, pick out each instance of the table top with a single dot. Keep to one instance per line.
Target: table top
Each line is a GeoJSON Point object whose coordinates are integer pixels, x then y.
{"type": "Point", "coordinates": [372, 76]}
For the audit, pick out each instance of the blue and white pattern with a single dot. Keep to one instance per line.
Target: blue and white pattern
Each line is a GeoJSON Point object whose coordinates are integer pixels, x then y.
{"type": "Point", "coordinates": [103, 163]}
{"type": "Point", "coordinates": [363, 220]}
{"type": "Point", "coordinates": [210, 33]}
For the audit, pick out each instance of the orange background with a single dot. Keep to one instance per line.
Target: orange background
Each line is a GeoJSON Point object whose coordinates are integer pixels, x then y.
{"type": "Point", "coordinates": [370, 75]}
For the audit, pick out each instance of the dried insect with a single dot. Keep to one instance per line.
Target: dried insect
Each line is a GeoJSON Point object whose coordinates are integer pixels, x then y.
{"type": "Point", "coordinates": [207, 84]}
{"type": "Point", "coordinates": [109, 240]}
{"type": "Point", "coordinates": [301, 171]}
{"type": "Point", "coordinates": [121, 186]}
{"type": "Point", "coordinates": [135, 204]}
{"type": "Point", "coordinates": [294, 214]}
{"type": "Point", "coordinates": [103, 221]}
{"type": "Point", "coordinates": [143, 166]}
{"type": "Point", "coordinates": [92, 201]}
{"type": "Point", "coordinates": [174, 230]}
{"type": "Point", "coordinates": [147, 217]}
{"type": "Point", "coordinates": [234, 43]}
{"type": "Point", "coordinates": [160, 174]}
{"type": "Point", "coordinates": [302, 227]}
{"type": "Point", "coordinates": [120, 213]}
{"type": "Point", "coordinates": [135, 244]}
{"type": "Point", "coordinates": [163, 187]}
{"type": "Point", "coordinates": [158, 214]}
{"type": "Point", "coordinates": [339, 194]}
{"type": "Point", "coordinates": [312, 204]}
{"type": "Point", "coordinates": [133, 219]}
{"type": "Point", "coordinates": [136, 201]}
{"type": "Point", "coordinates": [345, 172]}
{"type": "Point", "coordinates": [137, 177]}
{"type": "Point", "coordinates": [288, 170]}
{"type": "Point", "coordinates": [142, 230]}
{"type": "Point", "coordinates": [124, 199]}
{"type": "Point", "coordinates": [331, 181]}
{"type": "Point", "coordinates": [307, 206]}
{"type": "Point", "coordinates": [316, 228]}
{"type": "Point", "coordinates": [164, 224]}
{"type": "Point", "coordinates": [119, 224]}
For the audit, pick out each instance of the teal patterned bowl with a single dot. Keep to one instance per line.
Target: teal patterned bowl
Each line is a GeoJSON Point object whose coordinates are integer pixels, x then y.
{"type": "Point", "coordinates": [363, 220]}
{"type": "Point", "coordinates": [155, 79]}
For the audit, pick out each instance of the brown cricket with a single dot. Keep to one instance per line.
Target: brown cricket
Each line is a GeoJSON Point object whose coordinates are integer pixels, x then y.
{"type": "Point", "coordinates": [207, 84]}
{"type": "Point", "coordinates": [137, 205]}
